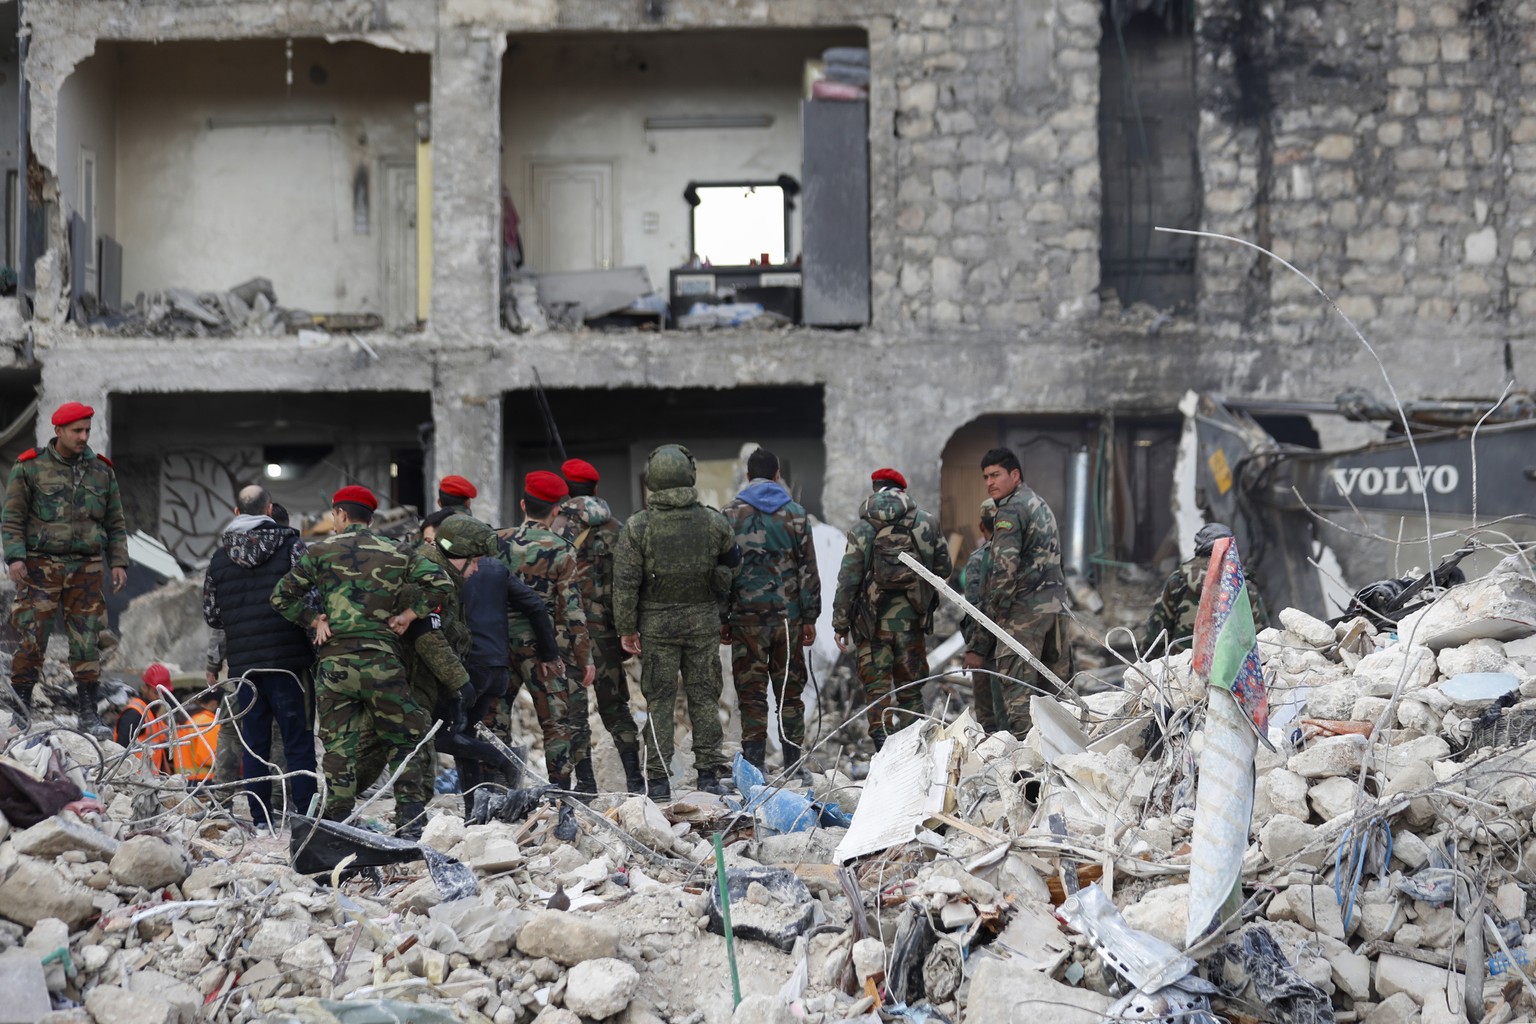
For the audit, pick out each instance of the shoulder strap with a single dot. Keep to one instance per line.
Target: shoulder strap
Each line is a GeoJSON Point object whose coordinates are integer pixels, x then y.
{"type": "Point", "coordinates": [28, 455]}
{"type": "Point", "coordinates": [103, 458]}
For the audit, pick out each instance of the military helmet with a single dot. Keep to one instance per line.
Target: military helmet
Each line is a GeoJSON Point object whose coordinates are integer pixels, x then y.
{"type": "Point", "coordinates": [1207, 536]}
{"type": "Point", "coordinates": [464, 536]}
{"type": "Point", "coordinates": [671, 465]}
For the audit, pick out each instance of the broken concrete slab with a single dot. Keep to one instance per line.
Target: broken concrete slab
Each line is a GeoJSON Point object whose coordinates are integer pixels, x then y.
{"type": "Point", "coordinates": [149, 863]}
{"type": "Point", "coordinates": [600, 988]}
{"type": "Point", "coordinates": [567, 938]}
{"type": "Point", "coordinates": [54, 836]}
{"type": "Point", "coordinates": [1007, 992]}
{"type": "Point", "coordinates": [35, 890]}
{"type": "Point", "coordinates": [24, 988]}
{"type": "Point", "coordinates": [109, 1004]}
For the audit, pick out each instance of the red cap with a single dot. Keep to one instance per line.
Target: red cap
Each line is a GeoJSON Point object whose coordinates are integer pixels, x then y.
{"type": "Point", "coordinates": [579, 471]}
{"type": "Point", "coordinates": [888, 474]}
{"type": "Point", "coordinates": [158, 677]}
{"type": "Point", "coordinates": [69, 412]}
{"type": "Point", "coordinates": [545, 486]}
{"type": "Point", "coordinates": [352, 494]}
{"type": "Point", "coordinates": [457, 486]}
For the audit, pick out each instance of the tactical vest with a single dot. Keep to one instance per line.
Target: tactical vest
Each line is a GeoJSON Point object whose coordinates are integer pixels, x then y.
{"type": "Point", "coordinates": [678, 569]}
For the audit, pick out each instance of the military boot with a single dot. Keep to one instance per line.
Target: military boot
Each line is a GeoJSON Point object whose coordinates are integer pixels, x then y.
{"type": "Point", "coordinates": [659, 789]}
{"type": "Point", "coordinates": [794, 767]}
{"type": "Point", "coordinates": [586, 781]}
{"type": "Point", "coordinates": [85, 710]}
{"type": "Point", "coordinates": [411, 818]}
{"type": "Point", "coordinates": [714, 780]}
{"type": "Point", "coordinates": [634, 779]}
{"type": "Point", "coordinates": [752, 751]}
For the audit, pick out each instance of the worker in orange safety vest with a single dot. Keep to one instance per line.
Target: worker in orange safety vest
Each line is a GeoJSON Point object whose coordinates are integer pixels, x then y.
{"type": "Point", "coordinates": [197, 740]}
{"type": "Point", "coordinates": [141, 725]}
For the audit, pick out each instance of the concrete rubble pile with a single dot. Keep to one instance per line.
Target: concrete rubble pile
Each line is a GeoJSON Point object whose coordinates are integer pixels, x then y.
{"type": "Point", "coordinates": [1381, 877]}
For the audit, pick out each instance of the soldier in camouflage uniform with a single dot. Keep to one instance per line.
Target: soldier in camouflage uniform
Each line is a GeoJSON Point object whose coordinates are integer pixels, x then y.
{"type": "Point", "coordinates": [1024, 589]}
{"type": "Point", "coordinates": [883, 607]}
{"type": "Point", "coordinates": [432, 648]}
{"type": "Point", "coordinates": [775, 602]}
{"type": "Point", "coordinates": [547, 563]}
{"type": "Point", "coordinates": [588, 523]}
{"type": "Point", "coordinates": [986, 698]}
{"type": "Point", "coordinates": [362, 694]}
{"type": "Point", "coordinates": [63, 515]}
{"type": "Point", "coordinates": [672, 573]}
{"type": "Point", "coordinates": [1175, 611]}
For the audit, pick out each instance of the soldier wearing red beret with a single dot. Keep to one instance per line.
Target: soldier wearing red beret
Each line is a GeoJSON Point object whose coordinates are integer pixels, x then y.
{"type": "Point", "coordinates": [547, 563]}
{"type": "Point", "coordinates": [456, 492]}
{"type": "Point", "coordinates": [589, 524]}
{"type": "Point", "coordinates": [63, 518]}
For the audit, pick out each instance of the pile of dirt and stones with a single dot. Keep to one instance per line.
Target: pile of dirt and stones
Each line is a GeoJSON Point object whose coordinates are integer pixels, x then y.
{"type": "Point", "coordinates": [1362, 856]}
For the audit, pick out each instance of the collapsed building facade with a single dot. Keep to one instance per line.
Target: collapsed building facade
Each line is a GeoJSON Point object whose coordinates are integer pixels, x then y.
{"type": "Point", "coordinates": [1006, 285]}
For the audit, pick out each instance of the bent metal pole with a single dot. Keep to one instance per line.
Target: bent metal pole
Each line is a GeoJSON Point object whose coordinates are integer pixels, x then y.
{"type": "Point", "coordinates": [991, 627]}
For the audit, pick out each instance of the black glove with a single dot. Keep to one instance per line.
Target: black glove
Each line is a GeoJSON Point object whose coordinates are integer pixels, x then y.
{"type": "Point", "coordinates": [454, 713]}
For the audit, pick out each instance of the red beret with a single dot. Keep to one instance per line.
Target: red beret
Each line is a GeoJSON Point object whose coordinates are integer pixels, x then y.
{"type": "Point", "coordinates": [579, 471]}
{"type": "Point", "coordinates": [458, 486]}
{"type": "Point", "coordinates": [890, 475]}
{"type": "Point", "coordinates": [158, 677]}
{"type": "Point", "coordinates": [69, 412]}
{"type": "Point", "coordinates": [545, 486]}
{"type": "Point", "coordinates": [352, 494]}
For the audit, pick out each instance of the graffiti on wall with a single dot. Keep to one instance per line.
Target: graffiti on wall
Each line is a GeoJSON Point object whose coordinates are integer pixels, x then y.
{"type": "Point", "coordinates": [197, 492]}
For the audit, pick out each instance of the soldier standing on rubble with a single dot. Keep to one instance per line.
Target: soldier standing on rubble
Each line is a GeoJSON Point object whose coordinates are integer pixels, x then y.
{"type": "Point", "coordinates": [985, 696]}
{"type": "Point", "coordinates": [883, 608]}
{"type": "Point", "coordinates": [63, 514]}
{"type": "Point", "coordinates": [775, 602]}
{"type": "Point", "coordinates": [672, 572]}
{"type": "Point", "coordinates": [1180, 599]}
{"type": "Point", "coordinates": [547, 563]}
{"type": "Point", "coordinates": [362, 695]}
{"type": "Point", "coordinates": [588, 523]}
{"type": "Point", "coordinates": [1024, 589]}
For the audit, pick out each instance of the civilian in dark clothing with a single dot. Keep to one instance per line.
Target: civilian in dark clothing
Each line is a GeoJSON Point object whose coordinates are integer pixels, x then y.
{"type": "Point", "coordinates": [491, 593]}
{"type": "Point", "coordinates": [269, 656]}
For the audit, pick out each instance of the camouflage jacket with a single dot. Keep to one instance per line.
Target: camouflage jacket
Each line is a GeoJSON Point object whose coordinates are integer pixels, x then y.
{"type": "Point", "coordinates": [861, 607]}
{"type": "Point", "coordinates": [588, 523]}
{"type": "Point", "coordinates": [673, 567]}
{"type": "Point", "coordinates": [362, 579]}
{"type": "Point", "coordinates": [1024, 574]}
{"type": "Point", "coordinates": [973, 579]}
{"type": "Point", "coordinates": [436, 645]}
{"type": "Point", "coordinates": [547, 563]}
{"type": "Point", "coordinates": [778, 579]}
{"type": "Point", "coordinates": [1176, 607]}
{"type": "Point", "coordinates": [69, 508]}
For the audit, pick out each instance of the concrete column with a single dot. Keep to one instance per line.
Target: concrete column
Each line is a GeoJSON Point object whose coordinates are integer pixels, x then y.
{"type": "Point", "coordinates": [468, 442]}
{"type": "Point", "coordinates": [466, 183]}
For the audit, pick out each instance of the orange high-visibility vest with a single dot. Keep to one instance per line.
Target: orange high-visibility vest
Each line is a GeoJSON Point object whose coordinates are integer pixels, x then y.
{"type": "Point", "coordinates": [152, 737]}
{"type": "Point", "coordinates": [196, 742]}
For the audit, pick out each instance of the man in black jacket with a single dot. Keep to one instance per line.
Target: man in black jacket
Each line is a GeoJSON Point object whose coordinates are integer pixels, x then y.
{"type": "Point", "coordinates": [269, 656]}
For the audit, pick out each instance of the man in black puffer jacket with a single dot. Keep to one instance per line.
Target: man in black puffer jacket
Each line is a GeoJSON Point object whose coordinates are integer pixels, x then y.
{"type": "Point", "coordinates": [269, 656]}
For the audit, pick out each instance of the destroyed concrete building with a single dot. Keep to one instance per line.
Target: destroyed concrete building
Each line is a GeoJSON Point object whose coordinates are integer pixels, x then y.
{"type": "Point", "coordinates": [995, 275]}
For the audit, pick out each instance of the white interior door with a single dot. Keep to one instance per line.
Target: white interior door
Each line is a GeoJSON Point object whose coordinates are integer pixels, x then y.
{"type": "Point", "coordinates": [571, 223]}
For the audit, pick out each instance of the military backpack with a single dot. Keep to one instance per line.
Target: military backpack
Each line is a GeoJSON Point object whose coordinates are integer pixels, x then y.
{"type": "Point", "coordinates": [889, 572]}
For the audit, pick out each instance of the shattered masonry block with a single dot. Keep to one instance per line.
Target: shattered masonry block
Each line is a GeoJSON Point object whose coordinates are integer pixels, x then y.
{"type": "Point", "coordinates": [1329, 757]}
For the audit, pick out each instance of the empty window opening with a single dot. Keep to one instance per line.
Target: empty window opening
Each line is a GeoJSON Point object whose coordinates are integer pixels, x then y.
{"type": "Point", "coordinates": [617, 429]}
{"type": "Point", "coordinates": [1148, 128]}
{"type": "Point", "coordinates": [200, 166]}
{"type": "Point", "coordinates": [181, 459]}
{"type": "Point", "coordinates": [646, 175]}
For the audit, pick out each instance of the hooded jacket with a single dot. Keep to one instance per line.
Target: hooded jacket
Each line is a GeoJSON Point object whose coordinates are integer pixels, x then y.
{"type": "Point", "coordinates": [778, 581]}
{"type": "Point", "coordinates": [254, 553]}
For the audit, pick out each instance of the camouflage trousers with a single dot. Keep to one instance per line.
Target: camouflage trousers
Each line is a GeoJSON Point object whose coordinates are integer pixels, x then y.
{"type": "Point", "coordinates": [73, 586]}
{"type": "Point", "coordinates": [763, 654]}
{"type": "Point", "coordinates": [887, 663]}
{"type": "Point", "coordinates": [1041, 634]}
{"type": "Point", "coordinates": [611, 689]}
{"type": "Point", "coordinates": [428, 661]}
{"type": "Point", "coordinates": [553, 703]}
{"type": "Point", "coordinates": [697, 658]}
{"type": "Point", "coordinates": [987, 699]}
{"type": "Point", "coordinates": [365, 706]}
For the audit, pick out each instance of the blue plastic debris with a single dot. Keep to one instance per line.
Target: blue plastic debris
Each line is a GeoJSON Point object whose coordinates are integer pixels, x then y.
{"type": "Point", "coordinates": [783, 810]}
